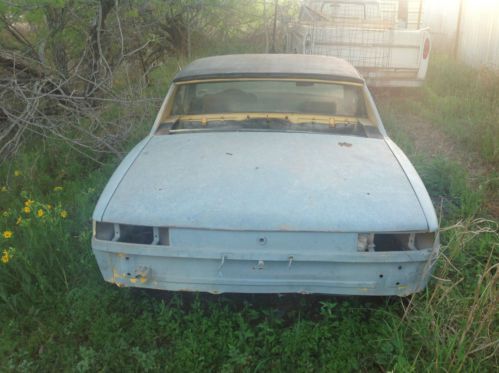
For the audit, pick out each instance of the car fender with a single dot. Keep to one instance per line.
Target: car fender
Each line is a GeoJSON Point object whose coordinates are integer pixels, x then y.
{"type": "Point", "coordinates": [116, 178]}
{"type": "Point", "coordinates": [417, 185]}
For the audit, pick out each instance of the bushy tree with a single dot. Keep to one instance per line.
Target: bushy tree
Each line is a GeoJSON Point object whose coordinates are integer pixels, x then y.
{"type": "Point", "coordinates": [61, 59]}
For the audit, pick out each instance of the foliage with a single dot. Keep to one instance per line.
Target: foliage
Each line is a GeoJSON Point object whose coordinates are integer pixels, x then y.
{"type": "Point", "coordinates": [452, 322]}
{"type": "Point", "coordinates": [62, 62]}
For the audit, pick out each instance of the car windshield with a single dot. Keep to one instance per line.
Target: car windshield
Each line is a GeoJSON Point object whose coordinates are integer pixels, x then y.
{"type": "Point", "coordinates": [269, 96]}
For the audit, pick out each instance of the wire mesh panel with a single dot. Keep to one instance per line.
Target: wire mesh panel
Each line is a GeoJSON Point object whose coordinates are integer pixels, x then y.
{"type": "Point", "coordinates": [358, 31]}
{"type": "Point", "coordinates": [361, 47]}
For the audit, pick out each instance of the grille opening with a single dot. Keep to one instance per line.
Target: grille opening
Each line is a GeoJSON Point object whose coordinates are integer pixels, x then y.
{"type": "Point", "coordinates": [104, 231]}
{"type": "Point", "coordinates": [403, 241]}
{"type": "Point", "coordinates": [164, 236]}
{"type": "Point", "coordinates": [391, 242]}
{"type": "Point", "coordinates": [136, 234]}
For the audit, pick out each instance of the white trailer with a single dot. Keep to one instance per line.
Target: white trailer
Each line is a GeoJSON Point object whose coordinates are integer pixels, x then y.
{"type": "Point", "coordinates": [381, 47]}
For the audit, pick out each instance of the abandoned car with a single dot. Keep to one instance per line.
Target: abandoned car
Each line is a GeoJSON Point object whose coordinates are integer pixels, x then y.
{"type": "Point", "coordinates": [267, 174]}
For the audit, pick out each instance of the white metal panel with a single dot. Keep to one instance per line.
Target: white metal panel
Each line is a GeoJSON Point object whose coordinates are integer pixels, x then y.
{"type": "Point", "coordinates": [479, 35]}
{"type": "Point", "coordinates": [368, 47]}
{"type": "Point", "coordinates": [479, 29]}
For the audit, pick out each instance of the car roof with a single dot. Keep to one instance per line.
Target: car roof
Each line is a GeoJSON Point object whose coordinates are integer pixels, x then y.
{"type": "Point", "coordinates": [270, 66]}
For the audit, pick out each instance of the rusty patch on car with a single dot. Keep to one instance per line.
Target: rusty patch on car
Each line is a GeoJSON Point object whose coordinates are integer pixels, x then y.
{"type": "Point", "coordinates": [345, 144]}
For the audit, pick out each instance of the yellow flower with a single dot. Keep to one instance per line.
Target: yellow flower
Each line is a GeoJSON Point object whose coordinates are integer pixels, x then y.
{"type": "Point", "coordinates": [27, 210]}
{"type": "Point", "coordinates": [28, 202]}
{"type": "Point", "coordinates": [5, 257]}
{"type": "Point", "coordinates": [4, 189]}
{"type": "Point", "coordinates": [19, 220]}
{"type": "Point", "coordinates": [64, 214]}
{"type": "Point", "coordinates": [49, 207]}
{"type": "Point", "coordinates": [7, 234]}
{"type": "Point", "coordinates": [17, 173]}
{"type": "Point", "coordinates": [40, 213]}
{"type": "Point", "coordinates": [58, 188]}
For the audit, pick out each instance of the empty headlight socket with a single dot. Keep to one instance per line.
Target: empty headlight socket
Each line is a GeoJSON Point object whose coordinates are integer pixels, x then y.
{"type": "Point", "coordinates": [138, 234]}
{"type": "Point", "coordinates": [373, 242]}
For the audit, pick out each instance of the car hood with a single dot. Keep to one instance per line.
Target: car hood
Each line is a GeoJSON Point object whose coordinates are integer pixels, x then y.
{"type": "Point", "coordinates": [265, 181]}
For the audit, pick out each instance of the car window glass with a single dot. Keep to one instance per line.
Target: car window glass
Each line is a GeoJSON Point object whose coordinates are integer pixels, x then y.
{"type": "Point", "coordinates": [269, 96]}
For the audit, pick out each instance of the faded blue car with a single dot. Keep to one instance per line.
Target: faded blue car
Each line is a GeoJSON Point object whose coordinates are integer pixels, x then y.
{"type": "Point", "coordinates": [267, 174]}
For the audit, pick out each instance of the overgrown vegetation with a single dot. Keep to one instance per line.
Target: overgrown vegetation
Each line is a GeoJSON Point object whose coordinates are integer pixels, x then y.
{"type": "Point", "coordinates": [465, 104]}
{"type": "Point", "coordinates": [58, 314]}
{"type": "Point", "coordinates": [61, 61]}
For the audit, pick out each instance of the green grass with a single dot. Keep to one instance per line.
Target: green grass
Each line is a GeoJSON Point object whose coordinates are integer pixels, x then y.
{"type": "Point", "coordinates": [464, 103]}
{"type": "Point", "coordinates": [59, 315]}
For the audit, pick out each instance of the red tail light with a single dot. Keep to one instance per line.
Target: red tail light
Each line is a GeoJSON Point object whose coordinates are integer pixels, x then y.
{"type": "Point", "coordinates": [426, 49]}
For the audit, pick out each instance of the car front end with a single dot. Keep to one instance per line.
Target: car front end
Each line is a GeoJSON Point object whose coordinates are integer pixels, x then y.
{"type": "Point", "coordinates": [220, 261]}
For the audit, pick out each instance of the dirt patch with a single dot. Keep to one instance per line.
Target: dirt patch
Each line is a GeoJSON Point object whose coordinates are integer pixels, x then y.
{"type": "Point", "coordinates": [430, 140]}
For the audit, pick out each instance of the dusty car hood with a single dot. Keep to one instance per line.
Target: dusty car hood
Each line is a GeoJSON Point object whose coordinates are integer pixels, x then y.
{"type": "Point", "coordinates": [266, 181]}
